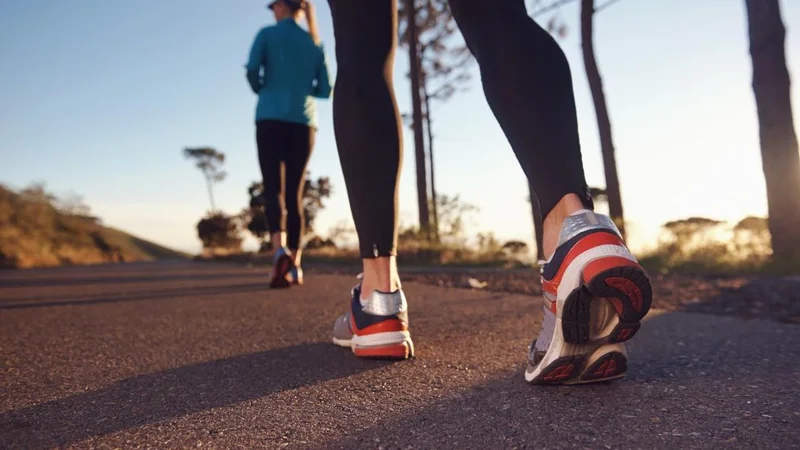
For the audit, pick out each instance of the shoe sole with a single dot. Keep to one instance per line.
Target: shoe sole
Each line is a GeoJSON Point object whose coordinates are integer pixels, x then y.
{"type": "Point", "coordinates": [283, 266]}
{"type": "Point", "coordinates": [380, 350]}
{"type": "Point", "coordinates": [596, 318]}
{"type": "Point", "coordinates": [629, 292]}
{"type": "Point", "coordinates": [578, 369]}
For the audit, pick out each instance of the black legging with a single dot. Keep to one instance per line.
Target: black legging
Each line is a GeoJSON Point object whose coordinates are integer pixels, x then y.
{"type": "Point", "coordinates": [283, 152]}
{"type": "Point", "coordinates": [526, 81]}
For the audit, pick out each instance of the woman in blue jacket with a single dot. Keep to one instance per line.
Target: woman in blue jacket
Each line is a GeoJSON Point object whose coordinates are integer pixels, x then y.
{"type": "Point", "coordinates": [287, 69]}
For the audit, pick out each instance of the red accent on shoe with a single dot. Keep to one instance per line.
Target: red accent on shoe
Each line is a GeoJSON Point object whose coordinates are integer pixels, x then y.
{"type": "Point", "coordinates": [602, 264]}
{"type": "Point", "coordinates": [589, 242]}
{"type": "Point", "coordinates": [606, 369]}
{"type": "Point", "coordinates": [560, 373]}
{"type": "Point", "coordinates": [387, 326]}
{"type": "Point", "coordinates": [629, 288]}
{"type": "Point", "coordinates": [401, 351]}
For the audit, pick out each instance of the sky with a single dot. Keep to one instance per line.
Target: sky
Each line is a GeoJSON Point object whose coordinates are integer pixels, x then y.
{"type": "Point", "coordinates": [99, 99]}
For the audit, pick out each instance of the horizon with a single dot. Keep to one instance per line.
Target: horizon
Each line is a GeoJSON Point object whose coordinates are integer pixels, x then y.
{"type": "Point", "coordinates": [93, 92]}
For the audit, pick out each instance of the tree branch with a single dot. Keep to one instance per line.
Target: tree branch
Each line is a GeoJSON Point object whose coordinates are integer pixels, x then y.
{"type": "Point", "coordinates": [559, 3]}
{"type": "Point", "coordinates": [605, 5]}
{"type": "Point", "coordinates": [555, 5]}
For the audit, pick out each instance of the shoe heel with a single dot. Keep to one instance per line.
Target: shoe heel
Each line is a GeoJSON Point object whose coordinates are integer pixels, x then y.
{"type": "Point", "coordinates": [621, 282]}
{"type": "Point", "coordinates": [283, 265]}
{"type": "Point", "coordinates": [625, 284]}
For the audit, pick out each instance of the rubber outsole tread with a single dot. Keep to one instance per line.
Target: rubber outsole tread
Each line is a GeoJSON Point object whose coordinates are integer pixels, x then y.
{"type": "Point", "coordinates": [573, 370]}
{"type": "Point", "coordinates": [576, 318]}
{"type": "Point", "coordinates": [576, 315]}
{"type": "Point", "coordinates": [607, 366]}
{"type": "Point", "coordinates": [560, 370]}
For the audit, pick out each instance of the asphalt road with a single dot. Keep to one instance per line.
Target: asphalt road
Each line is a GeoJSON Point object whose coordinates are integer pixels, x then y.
{"type": "Point", "coordinates": [178, 355]}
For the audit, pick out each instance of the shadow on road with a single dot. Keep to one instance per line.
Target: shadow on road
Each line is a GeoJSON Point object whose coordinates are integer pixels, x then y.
{"type": "Point", "coordinates": [769, 298]}
{"type": "Point", "coordinates": [133, 278]}
{"type": "Point", "coordinates": [173, 393]}
{"type": "Point", "coordinates": [159, 293]}
{"type": "Point", "coordinates": [692, 380]}
{"type": "Point", "coordinates": [129, 272]}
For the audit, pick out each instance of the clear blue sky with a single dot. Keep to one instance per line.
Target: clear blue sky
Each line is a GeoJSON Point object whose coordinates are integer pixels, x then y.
{"type": "Point", "coordinates": [99, 98]}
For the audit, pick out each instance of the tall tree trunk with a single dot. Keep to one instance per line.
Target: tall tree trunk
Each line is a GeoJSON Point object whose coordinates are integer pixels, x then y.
{"type": "Point", "coordinates": [538, 226]}
{"type": "Point", "coordinates": [434, 211]}
{"type": "Point", "coordinates": [416, 103]}
{"type": "Point", "coordinates": [779, 151]}
{"type": "Point", "coordinates": [210, 193]}
{"type": "Point", "coordinates": [603, 122]}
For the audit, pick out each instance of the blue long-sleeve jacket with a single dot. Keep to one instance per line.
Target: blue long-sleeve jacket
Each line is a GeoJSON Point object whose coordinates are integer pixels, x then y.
{"type": "Point", "coordinates": [287, 70]}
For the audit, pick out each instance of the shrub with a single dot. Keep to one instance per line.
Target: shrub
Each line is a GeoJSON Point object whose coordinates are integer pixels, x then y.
{"type": "Point", "coordinates": [219, 231]}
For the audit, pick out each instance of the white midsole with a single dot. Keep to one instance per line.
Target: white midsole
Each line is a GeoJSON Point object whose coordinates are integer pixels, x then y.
{"type": "Point", "coordinates": [560, 348]}
{"type": "Point", "coordinates": [342, 342]}
{"type": "Point", "coordinates": [374, 340]}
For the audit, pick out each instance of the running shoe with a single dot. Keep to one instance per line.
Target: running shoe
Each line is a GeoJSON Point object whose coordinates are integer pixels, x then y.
{"type": "Point", "coordinates": [595, 296]}
{"type": "Point", "coordinates": [282, 264]}
{"type": "Point", "coordinates": [375, 327]}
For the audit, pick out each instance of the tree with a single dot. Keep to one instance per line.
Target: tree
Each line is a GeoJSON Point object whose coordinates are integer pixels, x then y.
{"type": "Point", "coordinates": [434, 207]}
{"type": "Point", "coordinates": [453, 212]}
{"type": "Point", "coordinates": [443, 73]}
{"type": "Point", "coordinates": [209, 161]}
{"type": "Point", "coordinates": [751, 237]}
{"type": "Point", "coordinates": [439, 72]}
{"type": "Point", "coordinates": [588, 9]}
{"type": "Point", "coordinates": [779, 150]}
{"type": "Point", "coordinates": [315, 192]}
{"type": "Point", "coordinates": [614, 197]}
{"type": "Point", "coordinates": [515, 248]}
{"type": "Point", "coordinates": [37, 193]}
{"type": "Point", "coordinates": [599, 195]}
{"type": "Point", "coordinates": [317, 242]}
{"type": "Point", "coordinates": [254, 218]}
{"type": "Point", "coordinates": [73, 204]}
{"type": "Point", "coordinates": [412, 42]}
{"type": "Point", "coordinates": [219, 231]}
{"type": "Point", "coordinates": [342, 233]}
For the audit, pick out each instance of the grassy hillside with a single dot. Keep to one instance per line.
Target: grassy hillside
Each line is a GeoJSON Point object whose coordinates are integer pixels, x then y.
{"type": "Point", "coordinates": [39, 230]}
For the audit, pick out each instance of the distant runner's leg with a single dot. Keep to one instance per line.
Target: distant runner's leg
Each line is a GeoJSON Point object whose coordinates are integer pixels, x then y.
{"type": "Point", "coordinates": [301, 138]}
{"type": "Point", "coordinates": [271, 137]}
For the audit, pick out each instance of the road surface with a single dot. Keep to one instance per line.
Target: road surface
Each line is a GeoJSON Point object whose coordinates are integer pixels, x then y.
{"type": "Point", "coordinates": [179, 355]}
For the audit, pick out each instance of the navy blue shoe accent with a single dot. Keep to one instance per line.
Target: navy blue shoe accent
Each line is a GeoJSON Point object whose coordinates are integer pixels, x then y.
{"type": "Point", "coordinates": [363, 319]}
{"type": "Point", "coordinates": [550, 269]}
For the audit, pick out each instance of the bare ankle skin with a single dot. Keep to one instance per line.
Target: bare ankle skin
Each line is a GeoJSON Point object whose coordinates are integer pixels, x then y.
{"type": "Point", "coordinates": [568, 204]}
{"type": "Point", "coordinates": [380, 274]}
